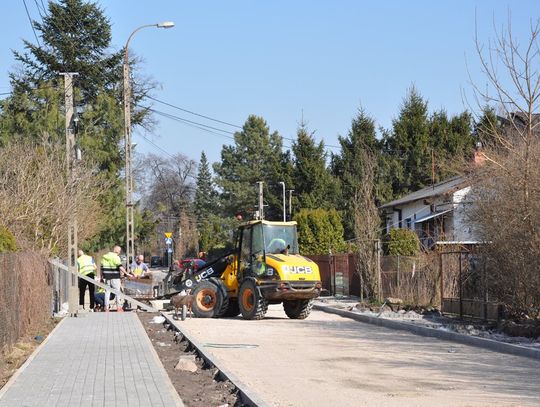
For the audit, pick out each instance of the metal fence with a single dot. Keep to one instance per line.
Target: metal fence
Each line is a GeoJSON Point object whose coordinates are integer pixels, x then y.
{"type": "Point", "coordinates": [457, 281]}
{"type": "Point", "coordinates": [25, 295]}
{"type": "Point", "coordinates": [63, 283]}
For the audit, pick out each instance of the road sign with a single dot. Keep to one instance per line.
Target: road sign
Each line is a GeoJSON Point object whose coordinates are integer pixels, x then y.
{"type": "Point", "coordinates": [168, 235]}
{"type": "Point", "coordinates": [168, 241]}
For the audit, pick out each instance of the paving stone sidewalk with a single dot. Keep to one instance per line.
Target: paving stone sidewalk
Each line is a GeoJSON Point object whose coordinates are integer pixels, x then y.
{"type": "Point", "coordinates": [101, 359]}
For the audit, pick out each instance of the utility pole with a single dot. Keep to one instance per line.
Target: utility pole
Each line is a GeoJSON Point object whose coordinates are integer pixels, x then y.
{"type": "Point", "coordinates": [71, 157]}
{"type": "Point", "coordinates": [261, 202]}
{"type": "Point", "coordinates": [130, 233]}
{"type": "Point", "coordinates": [284, 206]}
{"type": "Point", "coordinates": [290, 203]}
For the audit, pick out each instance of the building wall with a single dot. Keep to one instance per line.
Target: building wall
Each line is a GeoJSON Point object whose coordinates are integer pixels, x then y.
{"type": "Point", "coordinates": [456, 224]}
{"type": "Point", "coordinates": [412, 210]}
{"type": "Point", "coordinates": [462, 230]}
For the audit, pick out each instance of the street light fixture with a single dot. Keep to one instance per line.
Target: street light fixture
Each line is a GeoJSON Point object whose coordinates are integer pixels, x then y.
{"type": "Point", "coordinates": [130, 234]}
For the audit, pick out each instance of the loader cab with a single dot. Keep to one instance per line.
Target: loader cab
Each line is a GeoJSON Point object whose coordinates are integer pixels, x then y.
{"type": "Point", "coordinates": [257, 239]}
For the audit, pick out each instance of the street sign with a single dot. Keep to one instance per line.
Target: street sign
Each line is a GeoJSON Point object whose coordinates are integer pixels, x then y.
{"type": "Point", "coordinates": [168, 241]}
{"type": "Point", "coordinates": [168, 235]}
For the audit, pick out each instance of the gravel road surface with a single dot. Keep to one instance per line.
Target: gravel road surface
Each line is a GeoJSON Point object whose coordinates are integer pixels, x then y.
{"type": "Point", "coordinates": [328, 360]}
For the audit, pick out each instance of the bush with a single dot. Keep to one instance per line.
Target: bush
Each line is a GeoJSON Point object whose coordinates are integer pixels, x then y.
{"type": "Point", "coordinates": [403, 242]}
{"type": "Point", "coordinates": [7, 241]}
{"type": "Point", "coordinates": [319, 231]}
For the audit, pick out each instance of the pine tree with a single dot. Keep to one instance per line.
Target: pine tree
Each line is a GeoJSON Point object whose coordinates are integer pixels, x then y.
{"type": "Point", "coordinates": [205, 194]}
{"type": "Point", "coordinates": [76, 37]}
{"type": "Point", "coordinates": [256, 156]}
{"type": "Point", "coordinates": [409, 144]}
{"type": "Point", "coordinates": [314, 185]}
{"type": "Point", "coordinates": [348, 166]}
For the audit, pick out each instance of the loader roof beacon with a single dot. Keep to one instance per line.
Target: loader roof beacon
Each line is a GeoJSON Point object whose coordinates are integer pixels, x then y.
{"type": "Point", "coordinates": [264, 268]}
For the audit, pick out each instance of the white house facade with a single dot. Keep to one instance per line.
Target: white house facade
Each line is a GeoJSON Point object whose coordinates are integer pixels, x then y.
{"type": "Point", "coordinates": [437, 213]}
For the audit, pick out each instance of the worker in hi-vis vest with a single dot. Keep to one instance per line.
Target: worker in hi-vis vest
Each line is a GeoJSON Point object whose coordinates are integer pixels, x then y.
{"type": "Point", "coordinates": [112, 271]}
{"type": "Point", "coordinates": [87, 267]}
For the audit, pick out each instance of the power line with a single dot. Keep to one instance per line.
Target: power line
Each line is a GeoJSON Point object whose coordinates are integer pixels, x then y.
{"type": "Point", "coordinates": [194, 113]}
{"type": "Point", "coordinates": [187, 121]}
{"type": "Point", "coordinates": [217, 120]}
{"type": "Point", "coordinates": [31, 24]}
{"type": "Point", "coordinates": [38, 9]}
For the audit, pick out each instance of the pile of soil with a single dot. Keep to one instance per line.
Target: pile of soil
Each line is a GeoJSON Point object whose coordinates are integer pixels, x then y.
{"type": "Point", "coordinates": [199, 389]}
{"type": "Point", "coordinates": [13, 357]}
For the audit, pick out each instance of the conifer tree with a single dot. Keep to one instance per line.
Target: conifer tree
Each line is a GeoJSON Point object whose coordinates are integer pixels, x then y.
{"type": "Point", "coordinates": [314, 185]}
{"type": "Point", "coordinates": [255, 156]}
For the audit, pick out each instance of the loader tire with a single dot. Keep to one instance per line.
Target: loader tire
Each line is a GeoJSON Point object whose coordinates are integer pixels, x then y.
{"type": "Point", "coordinates": [222, 293]}
{"type": "Point", "coordinates": [251, 303]}
{"type": "Point", "coordinates": [206, 300]}
{"type": "Point", "coordinates": [297, 309]}
{"type": "Point", "coordinates": [233, 310]}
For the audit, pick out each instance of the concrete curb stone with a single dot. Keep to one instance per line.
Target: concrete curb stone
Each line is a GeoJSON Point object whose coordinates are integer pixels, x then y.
{"type": "Point", "coordinates": [485, 343]}
{"type": "Point", "coordinates": [248, 396]}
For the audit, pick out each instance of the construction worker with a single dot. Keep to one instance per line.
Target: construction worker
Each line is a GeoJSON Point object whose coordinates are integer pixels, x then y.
{"type": "Point", "coordinates": [87, 267]}
{"type": "Point", "coordinates": [139, 269]}
{"type": "Point", "coordinates": [112, 271]}
{"type": "Point", "coordinates": [99, 298]}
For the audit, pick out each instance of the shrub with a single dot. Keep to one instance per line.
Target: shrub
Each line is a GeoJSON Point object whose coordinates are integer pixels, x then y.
{"type": "Point", "coordinates": [319, 231]}
{"type": "Point", "coordinates": [403, 242]}
{"type": "Point", "coordinates": [7, 241]}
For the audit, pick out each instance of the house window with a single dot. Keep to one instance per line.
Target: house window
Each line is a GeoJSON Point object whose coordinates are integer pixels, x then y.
{"type": "Point", "coordinates": [408, 222]}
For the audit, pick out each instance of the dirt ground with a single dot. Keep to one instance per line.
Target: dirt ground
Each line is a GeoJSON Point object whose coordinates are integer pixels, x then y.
{"type": "Point", "coordinates": [198, 389]}
{"type": "Point", "coordinates": [12, 359]}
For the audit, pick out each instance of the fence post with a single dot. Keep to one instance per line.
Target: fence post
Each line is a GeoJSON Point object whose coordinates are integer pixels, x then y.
{"type": "Point", "coordinates": [460, 289]}
{"type": "Point", "coordinates": [441, 276]}
{"type": "Point", "coordinates": [378, 246]}
{"type": "Point", "coordinates": [486, 294]}
{"type": "Point", "coordinates": [398, 279]}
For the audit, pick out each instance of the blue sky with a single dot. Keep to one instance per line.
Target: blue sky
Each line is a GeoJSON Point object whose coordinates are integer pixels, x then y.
{"type": "Point", "coordinates": [277, 59]}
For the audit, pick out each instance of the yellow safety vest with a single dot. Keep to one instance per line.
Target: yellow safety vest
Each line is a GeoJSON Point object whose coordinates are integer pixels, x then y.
{"type": "Point", "coordinates": [86, 264]}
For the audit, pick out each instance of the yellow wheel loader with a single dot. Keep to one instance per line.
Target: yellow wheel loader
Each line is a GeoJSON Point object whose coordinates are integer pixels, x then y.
{"type": "Point", "coordinates": [265, 268]}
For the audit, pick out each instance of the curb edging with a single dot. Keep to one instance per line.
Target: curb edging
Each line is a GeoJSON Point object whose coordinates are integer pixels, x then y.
{"type": "Point", "coordinates": [247, 395]}
{"type": "Point", "coordinates": [485, 343]}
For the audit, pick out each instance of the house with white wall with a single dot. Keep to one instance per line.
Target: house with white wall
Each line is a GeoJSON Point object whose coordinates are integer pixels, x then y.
{"type": "Point", "coordinates": [436, 213]}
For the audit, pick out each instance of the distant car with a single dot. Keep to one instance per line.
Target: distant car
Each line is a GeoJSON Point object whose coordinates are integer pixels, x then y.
{"type": "Point", "coordinates": [155, 261]}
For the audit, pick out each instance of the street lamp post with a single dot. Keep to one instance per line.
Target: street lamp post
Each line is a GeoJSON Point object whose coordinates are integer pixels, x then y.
{"type": "Point", "coordinates": [284, 207]}
{"type": "Point", "coordinates": [290, 203]}
{"type": "Point", "coordinates": [130, 234]}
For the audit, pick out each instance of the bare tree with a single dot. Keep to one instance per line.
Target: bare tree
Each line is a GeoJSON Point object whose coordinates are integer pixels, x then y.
{"type": "Point", "coordinates": [507, 194]}
{"type": "Point", "coordinates": [34, 202]}
{"type": "Point", "coordinates": [169, 183]}
{"type": "Point", "coordinates": [366, 225]}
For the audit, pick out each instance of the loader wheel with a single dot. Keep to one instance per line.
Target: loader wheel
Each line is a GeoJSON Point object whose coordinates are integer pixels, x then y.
{"type": "Point", "coordinates": [206, 300]}
{"type": "Point", "coordinates": [222, 294]}
{"type": "Point", "coordinates": [297, 309]}
{"type": "Point", "coordinates": [252, 305]}
{"type": "Point", "coordinates": [233, 310]}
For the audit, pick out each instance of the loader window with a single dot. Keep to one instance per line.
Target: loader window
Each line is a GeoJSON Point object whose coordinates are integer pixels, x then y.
{"type": "Point", "coordinates": [245, 250]}
{"type": "Point", "coordinates": [257, 245]}
{"type": "Point", "coordinates": [278, 238]}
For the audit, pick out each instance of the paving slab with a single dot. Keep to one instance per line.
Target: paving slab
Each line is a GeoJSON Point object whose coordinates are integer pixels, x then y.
{"type": "Point", "coordinates": [102, 359]}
